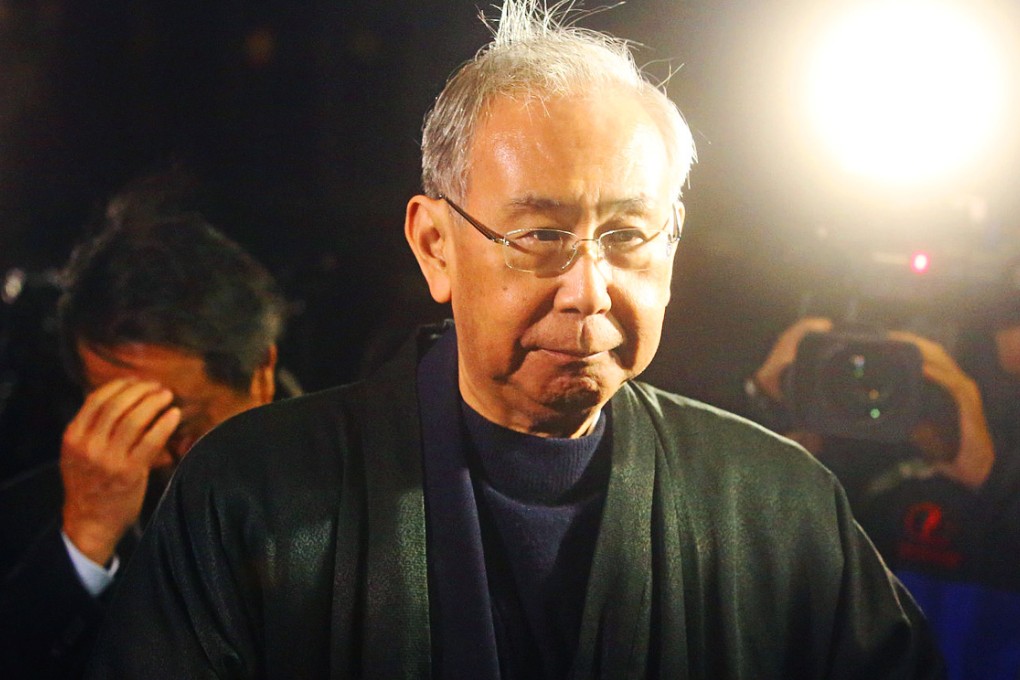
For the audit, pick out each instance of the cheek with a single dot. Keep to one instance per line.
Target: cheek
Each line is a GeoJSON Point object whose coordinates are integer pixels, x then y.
{"type": "Point", "coordinates": [644, 301]}
{"type": "Point", "coordinates": [652, 297]}
{"type": "Point", "coordinates": [221, 406]}
{"type": "Point", "coordinates": [227, 406]}
{"type": "Point", "coordinates": [486, 327]}
{"type": "Point", "coordinates": [496, 305]}
{"type": "Point", "coordinates": [640, 309]}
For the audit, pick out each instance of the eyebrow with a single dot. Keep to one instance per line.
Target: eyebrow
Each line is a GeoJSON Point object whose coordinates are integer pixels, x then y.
{"type": "Point", "coordinates": [638, 205]}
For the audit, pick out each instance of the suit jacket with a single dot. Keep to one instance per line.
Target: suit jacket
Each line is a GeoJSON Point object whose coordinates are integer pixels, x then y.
{"type": "Point", "coordinates": [292, 544]}
{"type": "Point", "coordinates": [48, 621]}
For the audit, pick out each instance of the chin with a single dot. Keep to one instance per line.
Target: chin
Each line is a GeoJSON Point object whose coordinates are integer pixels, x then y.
{"type": "Point", "coordinates": [570, 391]}
{"type": "Point", "coordinates": [577, 395]}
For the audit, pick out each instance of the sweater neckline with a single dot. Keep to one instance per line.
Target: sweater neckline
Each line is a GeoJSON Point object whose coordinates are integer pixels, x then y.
{"type": "Point", "coordinates": [529, 468]}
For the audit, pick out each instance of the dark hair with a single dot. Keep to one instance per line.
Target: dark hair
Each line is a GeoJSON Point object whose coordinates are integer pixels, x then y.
{"type": "Point", "coordinates": [170, 280]}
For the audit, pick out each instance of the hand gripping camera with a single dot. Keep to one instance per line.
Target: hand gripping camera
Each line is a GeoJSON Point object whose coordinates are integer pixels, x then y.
{"type": "Point", "coordinates": [857, 384]}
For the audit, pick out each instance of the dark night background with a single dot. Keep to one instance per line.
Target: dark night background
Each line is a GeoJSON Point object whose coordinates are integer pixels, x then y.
{"type": "Point", "coordinates": [301, 121]}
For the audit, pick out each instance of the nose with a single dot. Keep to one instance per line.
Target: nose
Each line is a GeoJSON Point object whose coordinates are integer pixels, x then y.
{"type": "Point", "coordinates": [584, 285]}
{"type": "Point", "coordinates": [594, 248]}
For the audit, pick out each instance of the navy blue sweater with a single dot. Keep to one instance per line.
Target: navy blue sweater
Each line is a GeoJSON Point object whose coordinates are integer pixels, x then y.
{"type": "Point", "coordinates": [540, 500]}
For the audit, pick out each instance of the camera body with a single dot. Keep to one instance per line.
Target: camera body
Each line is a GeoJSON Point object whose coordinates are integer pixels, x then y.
{"type": "Point", "coordinates": [856, 384]}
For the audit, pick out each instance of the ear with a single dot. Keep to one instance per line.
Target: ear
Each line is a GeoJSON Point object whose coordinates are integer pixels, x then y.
{"type": "Point", "coordinates": [425, 227]}
{"type": "Point", "coordinates": [263, 382]}
{"type": "Point", "coordinates": [681, 213]}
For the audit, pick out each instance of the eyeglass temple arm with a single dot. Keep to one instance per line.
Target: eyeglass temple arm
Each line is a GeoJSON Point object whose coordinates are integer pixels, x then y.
{"type": "Point", "coordinates": [499, 238]}
{"type": "Point", "coordinates": [484, 230]}
{"type": "Point", "coordinates": [677, 228]}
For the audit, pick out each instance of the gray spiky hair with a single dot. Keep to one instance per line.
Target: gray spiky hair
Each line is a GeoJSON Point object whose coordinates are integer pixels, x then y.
{"type": "Point", "coordinates": [538, 50]}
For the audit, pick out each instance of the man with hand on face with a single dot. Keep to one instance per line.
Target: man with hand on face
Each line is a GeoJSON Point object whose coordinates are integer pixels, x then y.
{"type": "Point", "coordinates": [503, 500]}
{"type": "Point", "coordinates": [170, 328]}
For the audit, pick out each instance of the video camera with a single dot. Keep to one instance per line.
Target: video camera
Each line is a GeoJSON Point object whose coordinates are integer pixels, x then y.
{"type": "Point", "coordinates": [933, 273]}
{"type": "Point", "coordinates": [860, 384]}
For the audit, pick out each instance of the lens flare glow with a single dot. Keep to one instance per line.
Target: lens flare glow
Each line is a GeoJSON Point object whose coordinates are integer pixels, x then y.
{"type": "Point", "coordinates": [906, 90]}
{"type": "Point", "coordinates": [920, 262]}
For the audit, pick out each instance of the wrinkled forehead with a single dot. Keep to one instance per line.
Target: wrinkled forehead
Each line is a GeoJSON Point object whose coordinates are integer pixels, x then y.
{"type": "Point", "coordinates": [616, 106]}
{"type": "Point", "coordinates": [585, 146]}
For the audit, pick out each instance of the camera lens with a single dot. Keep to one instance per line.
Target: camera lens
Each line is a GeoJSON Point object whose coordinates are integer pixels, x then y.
{"type": "Point", "coordinates": [862, 386]}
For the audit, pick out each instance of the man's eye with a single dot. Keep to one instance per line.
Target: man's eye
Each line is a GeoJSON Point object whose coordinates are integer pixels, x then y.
{"type": "Point", "coordinates": [624, 237]}
{"type": "Point", "coordinates": [542, 236]}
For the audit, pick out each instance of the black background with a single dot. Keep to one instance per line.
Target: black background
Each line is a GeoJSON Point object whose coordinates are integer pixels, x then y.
{"type": "Point", "coordinates": [302, 122]}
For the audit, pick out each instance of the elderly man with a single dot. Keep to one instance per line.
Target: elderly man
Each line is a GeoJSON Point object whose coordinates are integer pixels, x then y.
{"type": "Point", "coordinates": [170, 328]}
{"type": "Point", "coordinates": [502, 500]}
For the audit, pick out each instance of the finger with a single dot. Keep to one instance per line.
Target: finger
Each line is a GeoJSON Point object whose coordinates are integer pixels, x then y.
{"type": "Point", "coordinates": [138, 419]}
{"type": "Point", "coordinates": [117, 405]}
{"type": "Point", "coordinates": [154, 440]}
{"type": "Point", "coordinates": [84, 420]}
{"type": "Point", "coordinates": [938, 365]}
{"type": "Point", "coordinates": [930, 350]}
{"type": "Point", "coordinates": [942, 369]}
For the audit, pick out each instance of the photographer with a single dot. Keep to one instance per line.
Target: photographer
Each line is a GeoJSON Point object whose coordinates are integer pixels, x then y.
{"type": "Point", "coordinates": [943, 504]}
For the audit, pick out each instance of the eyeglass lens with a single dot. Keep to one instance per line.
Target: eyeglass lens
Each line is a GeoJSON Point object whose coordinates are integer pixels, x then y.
{"type": "Point", "coordinates": [551, 250]}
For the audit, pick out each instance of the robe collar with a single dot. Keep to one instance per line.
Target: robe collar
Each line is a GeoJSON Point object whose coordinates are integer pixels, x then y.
{"type": "Point", "coordinates": [618, 637]}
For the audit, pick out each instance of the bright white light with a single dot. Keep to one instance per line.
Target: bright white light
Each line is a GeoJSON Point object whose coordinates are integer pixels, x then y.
{"type": "Point", "coordinates": [14, 283]}
{"type": "Point", "coordinates": [906, 90]}
{"type": "Point", "coordinates": [919, 262]}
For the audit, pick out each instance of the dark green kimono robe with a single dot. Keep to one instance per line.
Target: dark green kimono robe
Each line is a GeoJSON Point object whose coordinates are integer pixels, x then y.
{"type": "Point", "coordinates": [292, 544]}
